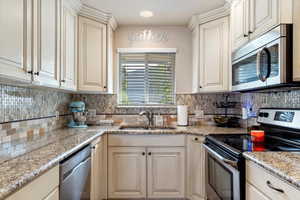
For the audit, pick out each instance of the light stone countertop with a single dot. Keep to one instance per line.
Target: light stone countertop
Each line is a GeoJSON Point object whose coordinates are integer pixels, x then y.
{"type": "Point", "coordinates": [23, 160]}
{"type": "Point", "coordinates": [285, 165]}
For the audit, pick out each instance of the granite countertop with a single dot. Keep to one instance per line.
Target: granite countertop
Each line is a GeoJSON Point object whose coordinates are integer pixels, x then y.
{"type": "Point", "coordinates": [286, 165]}
{"type": "Point", "coordinates": [23, 160]}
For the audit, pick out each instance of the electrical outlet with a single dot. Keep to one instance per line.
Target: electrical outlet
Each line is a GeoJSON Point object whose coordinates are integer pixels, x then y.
{"type": "Point", "coordinates": [57, 115]}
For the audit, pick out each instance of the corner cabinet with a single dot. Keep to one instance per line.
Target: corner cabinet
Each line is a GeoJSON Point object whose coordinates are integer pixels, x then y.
{"type": "Point", "coordinates": [92, 68]}
{"type": "Point", "coordinates": [213, 56]}
{"type": "Point", "coordinates": [15, 40]}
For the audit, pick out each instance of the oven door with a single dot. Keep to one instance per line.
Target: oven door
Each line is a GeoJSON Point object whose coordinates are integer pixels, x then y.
{"type": "Point", "coordinates": [222, 175]}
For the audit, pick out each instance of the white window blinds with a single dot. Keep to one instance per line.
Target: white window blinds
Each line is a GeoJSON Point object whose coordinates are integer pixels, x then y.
{"type": "Point", "coordinates": [146, 78]}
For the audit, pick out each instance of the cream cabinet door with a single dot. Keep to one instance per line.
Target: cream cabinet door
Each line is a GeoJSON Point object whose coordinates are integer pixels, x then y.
{"type": "Point", "coordinates": [15, 40]}
{"type": "Point", "coordinates": [47, 39]}
{"type": "Point", "coordinates": [166, 169]}
{"type": "Point", "coordinates": [54, 195]}
{"type": "Point", "coordinates": [126, 172]}
{"type": "Point", "coordinates": [195, 168]}
{"type": "Point", "coordinates": [239, 23]}
{"type": "Point", "coordinates": [214, 56]}
{"type": "Point", "coordinates": [92, 56]}
{"type": "Point", "coordinates": [69, 47]}
{"type": "Point", "coordinates": [263, 16]}
{"type": "Point", "coordinates": [96, 179]}
{"type": "Point", "coordinates": [253, 194]}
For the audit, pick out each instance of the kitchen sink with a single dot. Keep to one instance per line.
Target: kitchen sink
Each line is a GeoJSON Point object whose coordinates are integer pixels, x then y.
{"type": "Point", "coordinates": [147, 128]}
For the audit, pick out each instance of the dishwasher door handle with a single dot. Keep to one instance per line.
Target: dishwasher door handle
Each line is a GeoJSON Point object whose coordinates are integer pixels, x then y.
{"type": "Point", "coordinates": [76, 168]}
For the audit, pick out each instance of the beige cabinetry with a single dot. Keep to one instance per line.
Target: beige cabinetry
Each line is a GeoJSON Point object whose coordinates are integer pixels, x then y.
{"type": "Point", "coordinates": [165, 172]}
{"type": "Point", "coordinates": [15, 40]}
{"type": "Point", "coordinates": [252, 18]}
{"type": "Point", "coordinates": [68, 79]}
{"type": "Point", "coordinates": [263, 185]}
{"type": "Point", "coordinates": [127, 172]}
{"type": "Point", "coordinates": [213, 56]}
{"type": "Point", "coordinates": [46, 42]}
{"type": "Point", "coordinates": [139, 167]}
{"type": "Point", "coordinates": [92, 67]}
{"type": "Point", "coordinates": [239, 23]}
{"type": "Point", "coordinates": [195, 168]}
{"type": "Point", "coordinates": [44, 187]}
{"type": "Point", "coordinates": [99, 169]}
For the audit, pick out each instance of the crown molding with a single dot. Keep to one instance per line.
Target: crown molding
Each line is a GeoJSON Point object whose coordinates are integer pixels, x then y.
{"type": "Point", "coordinates": [74, 4]}
{"type": "Point", "coordinates": [113, 23]}
{"type": "Point", "coordinates": [196, 20]}
{"type": "Point", "coordinates": [98, 15]}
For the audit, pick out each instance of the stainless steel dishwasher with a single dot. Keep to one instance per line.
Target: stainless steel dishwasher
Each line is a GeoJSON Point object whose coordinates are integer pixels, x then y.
{"type": "Point", "coordinates": [75, 176]}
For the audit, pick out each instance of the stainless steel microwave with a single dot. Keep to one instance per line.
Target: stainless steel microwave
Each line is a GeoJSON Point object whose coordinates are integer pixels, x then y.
{"type": "Point", "coordinates": [264, 62]}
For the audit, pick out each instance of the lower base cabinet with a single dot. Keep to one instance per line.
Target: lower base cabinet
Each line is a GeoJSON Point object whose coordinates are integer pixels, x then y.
{"type": "Point", "coordinates": [195, 168]}
{"type": "Point", "coordinates": [165, 174]}
{"type": "Point", "coordinates": [126, 172]}
{"type": "Point", "coordinates": [263, 185]}
{"type": "Point", "coordinates": [44, 187]}
{"type": "Point", "coordinates": [141, 172]}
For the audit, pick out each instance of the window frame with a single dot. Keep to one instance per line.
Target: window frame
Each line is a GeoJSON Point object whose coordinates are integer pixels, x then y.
{"type": "Point", "coordinates": [145, 50]}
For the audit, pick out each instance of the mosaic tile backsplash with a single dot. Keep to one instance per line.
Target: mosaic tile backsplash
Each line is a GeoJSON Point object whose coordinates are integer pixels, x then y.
{"type": "Point", "coordinates": [18, 103]}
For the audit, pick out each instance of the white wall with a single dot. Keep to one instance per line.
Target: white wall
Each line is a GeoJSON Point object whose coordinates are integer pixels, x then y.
{"type": "Point", "coordinates": [179, 37]}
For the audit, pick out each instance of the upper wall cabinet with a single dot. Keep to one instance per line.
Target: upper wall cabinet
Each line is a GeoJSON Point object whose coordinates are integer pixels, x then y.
{"type": "Point", "coordinates": [239, 23]}
{"type": "Point", "coordinates": [15, 40]}
{"type": "Point", "coordinates": [47, 41]}
{"type": "Point", "coordinates": [252, 18]}
{"type": "Point", "coordinates": [69, 47]}
{"type": "Point", "coordinates": [92, 69]}
{"type": "Point", "coordinates": [211, 53]}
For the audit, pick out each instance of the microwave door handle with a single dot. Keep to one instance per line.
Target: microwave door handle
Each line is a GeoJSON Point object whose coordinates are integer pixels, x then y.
{"type": "Point", "coordinates": [225, 160]}
{"type": "Point", "coordinates": [258, 65]}
{"type": "Point", "coordinates": [258, 58]}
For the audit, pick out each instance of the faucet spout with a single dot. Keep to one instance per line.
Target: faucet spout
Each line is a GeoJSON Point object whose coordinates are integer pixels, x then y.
{"type": "Point", "coordinates": [150, 117]}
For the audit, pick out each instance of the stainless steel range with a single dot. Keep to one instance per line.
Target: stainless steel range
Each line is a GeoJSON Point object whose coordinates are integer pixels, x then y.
{"type": "Point", "coordinates": [225, 163]}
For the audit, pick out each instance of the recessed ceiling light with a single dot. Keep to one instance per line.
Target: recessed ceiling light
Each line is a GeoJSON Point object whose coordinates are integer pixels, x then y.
{"type": "Point", "coordinates": [146, 13]}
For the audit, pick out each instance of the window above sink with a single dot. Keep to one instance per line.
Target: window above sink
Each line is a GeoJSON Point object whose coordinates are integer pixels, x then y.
{"type": "Point", "coordinates": [146, 77]}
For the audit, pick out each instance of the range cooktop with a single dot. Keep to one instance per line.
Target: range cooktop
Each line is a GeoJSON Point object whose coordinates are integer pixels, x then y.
{"type": "Point", "coordinates": [242, 142]}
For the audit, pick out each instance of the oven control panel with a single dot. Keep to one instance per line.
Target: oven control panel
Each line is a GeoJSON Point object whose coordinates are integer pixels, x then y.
{"type": "Point", "coordinates": [289, 118]}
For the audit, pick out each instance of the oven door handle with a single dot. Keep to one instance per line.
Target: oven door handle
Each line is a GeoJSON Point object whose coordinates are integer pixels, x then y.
{"type": "Point", "coordinates": [221, 158]}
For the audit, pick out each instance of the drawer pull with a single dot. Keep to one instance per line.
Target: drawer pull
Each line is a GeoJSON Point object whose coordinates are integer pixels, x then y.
{"type": "Point", "coordinates": [269, 184]}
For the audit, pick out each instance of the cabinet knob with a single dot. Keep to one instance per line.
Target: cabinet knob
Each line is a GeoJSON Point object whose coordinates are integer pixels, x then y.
{"type": "Point", "coordinates": [245, 35]}
{"type": "Point", "coordinates": [250, 32]}
{"type": "Point", "coordinates": [143, 153]}
{"type": "Point", "coordinates": [149, 153]}
{"type": "Point", "coordinates": [104, 87]}
{"type": "Point", "coordinates": [196, 139]}
{"type": "Point", "coordinates": [30, 72]}
{"type": "Point", "coordinates": [200, 86]}
{"type": "Point", "coordinates": [37, 73]}
{"type": "Point", "coordinates": [63, 81]}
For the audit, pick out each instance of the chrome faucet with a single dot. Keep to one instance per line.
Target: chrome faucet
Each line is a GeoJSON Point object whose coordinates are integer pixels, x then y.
{"type": "Point", "coordinates": [150, 117]}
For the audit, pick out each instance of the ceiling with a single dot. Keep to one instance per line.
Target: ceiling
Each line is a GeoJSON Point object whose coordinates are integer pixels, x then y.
{"type": "Point", "coordinates": [166, 12]}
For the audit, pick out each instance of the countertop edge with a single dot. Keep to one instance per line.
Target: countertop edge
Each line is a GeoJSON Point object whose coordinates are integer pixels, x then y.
{"type": "Point", "coordinates": [278, 173]}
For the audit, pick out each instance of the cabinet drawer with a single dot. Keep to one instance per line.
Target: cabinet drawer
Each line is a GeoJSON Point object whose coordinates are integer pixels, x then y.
{"type": "Point", "coordinates": [254, 194]}
{"type": "Point", "coordinates": [146, 140]}
{"type": "Point", "coordinates": [262, 179]}
{"type": "Point", "coordinates": [39, 188]}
